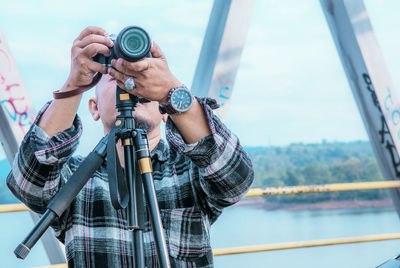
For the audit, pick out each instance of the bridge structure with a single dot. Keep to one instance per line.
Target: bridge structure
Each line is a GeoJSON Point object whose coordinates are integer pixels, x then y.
{"type": "Point", "coordinates": [216, 70]}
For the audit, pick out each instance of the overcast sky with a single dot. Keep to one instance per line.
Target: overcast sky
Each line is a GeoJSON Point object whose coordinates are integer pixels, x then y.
{"type": "Point", "coordinates": [290, 86]}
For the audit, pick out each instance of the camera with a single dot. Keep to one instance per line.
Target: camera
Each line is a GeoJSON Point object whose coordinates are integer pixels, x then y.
{"type": "Point", "coordinates": [132, 44]}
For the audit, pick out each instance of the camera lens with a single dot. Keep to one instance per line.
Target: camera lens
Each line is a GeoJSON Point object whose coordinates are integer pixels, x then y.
{"type": "Point", "coordinates": [133, 43]}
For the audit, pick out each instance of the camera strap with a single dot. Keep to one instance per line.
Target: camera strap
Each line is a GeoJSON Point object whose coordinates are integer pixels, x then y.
{"type": "Point", "coordinates": [116, 175]}
{"type": "Point", "coordinates": [66, 94]}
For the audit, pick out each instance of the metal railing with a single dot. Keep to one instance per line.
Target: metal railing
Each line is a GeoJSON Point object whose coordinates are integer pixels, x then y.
{"type": "Point", "coordinates": [61, 265]}
{"type": "Point", "coordinates": [305, 244]}
{"type": "Point", "coordinates": [336, 187]}
{"type": "Point", "coordinates": [13, 208]}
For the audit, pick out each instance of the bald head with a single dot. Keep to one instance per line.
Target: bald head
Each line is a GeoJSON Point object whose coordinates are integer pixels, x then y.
{"type": "Point", "coordinates": [104, 81]}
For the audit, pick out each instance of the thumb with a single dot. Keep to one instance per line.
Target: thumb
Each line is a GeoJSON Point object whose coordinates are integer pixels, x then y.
{"type": "Point", "coordinates": [156, 51]}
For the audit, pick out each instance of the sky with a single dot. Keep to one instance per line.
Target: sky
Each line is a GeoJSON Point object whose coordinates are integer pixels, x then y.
{"type": "Point", "coordinates": [290, 86]}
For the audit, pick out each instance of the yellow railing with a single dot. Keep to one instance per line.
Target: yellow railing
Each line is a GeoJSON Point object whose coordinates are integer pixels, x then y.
{"type": "Point", "coordinates": [13, 208]}
{"type": "Point", "coordinates": [305, 244]}
{"type": "Point", "coordinates": [336, 187]}
{"type": "Point", "coordinates": [61, 265]}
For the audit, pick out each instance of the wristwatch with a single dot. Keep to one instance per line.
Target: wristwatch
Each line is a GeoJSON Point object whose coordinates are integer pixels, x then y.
{"type": "Point", "coordinates": [179, 100]}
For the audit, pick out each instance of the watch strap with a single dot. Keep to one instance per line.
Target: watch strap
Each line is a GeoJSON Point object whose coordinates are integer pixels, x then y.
{"type": "Point", "coordinates": [168, 108]}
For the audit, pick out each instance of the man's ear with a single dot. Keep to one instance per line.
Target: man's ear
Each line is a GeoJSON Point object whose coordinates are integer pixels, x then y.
{"type": "Point", "coordinates": [93, 108]}
{"type": "Point", "coordinates": [164, 117]}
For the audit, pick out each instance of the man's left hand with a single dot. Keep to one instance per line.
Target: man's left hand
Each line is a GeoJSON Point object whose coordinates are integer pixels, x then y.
{"type": "Point", "coordinates": [153, 79]}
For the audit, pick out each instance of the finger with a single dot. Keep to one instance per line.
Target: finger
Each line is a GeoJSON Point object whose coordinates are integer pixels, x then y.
{"type": "Point", "coordinates": [96, 67]}
{"type": "Point", "coordinates": [94, 38]}
{"type": "Point", "coordinates": [117, 75]}
{"type": "Point", "coordinates": [93, 49]}
{"type": "Point", "coordinates": [130, 91]}
{"type": "Point", "coordinates": [91, 30]}
{"type": "Point", "coordinates": [156, 51]}
{"type": "Point", "coordinates": [121, 85]}
{"type": "Point", "coordinates": [131, 68]}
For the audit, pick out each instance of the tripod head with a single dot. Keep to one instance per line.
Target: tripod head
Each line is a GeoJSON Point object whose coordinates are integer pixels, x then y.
{"type": "Point", "coordinates": [125, 102]}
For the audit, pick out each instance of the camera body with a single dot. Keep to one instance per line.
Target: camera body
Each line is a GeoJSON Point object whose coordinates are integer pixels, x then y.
{"type": "Point", "coordinates": [133, 43]}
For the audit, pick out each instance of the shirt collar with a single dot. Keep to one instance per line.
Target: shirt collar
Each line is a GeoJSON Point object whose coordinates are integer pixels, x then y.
{"type": "Point", "coordinates": [161, 151]}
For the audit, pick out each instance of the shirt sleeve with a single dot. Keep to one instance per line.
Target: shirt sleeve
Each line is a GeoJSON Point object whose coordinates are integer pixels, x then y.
{"type": "Point", "coordinates": [225, 172]}
{"type": "Point", "coordinates": [39, 168]}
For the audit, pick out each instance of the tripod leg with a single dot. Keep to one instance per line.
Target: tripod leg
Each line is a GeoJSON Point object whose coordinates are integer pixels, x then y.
{"type": "Point", "coordinates": [140, 212]}
{"type": "Point", "coordinates": [143, 157]}
{"type": "Point", "coordinates": [156, 220]}
{"type": "Point", "coordinates": [135, 206]}
{"type": "Point", "coordinates": [129, 169]}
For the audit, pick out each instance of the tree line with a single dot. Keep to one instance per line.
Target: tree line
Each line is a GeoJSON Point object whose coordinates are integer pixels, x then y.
{"type": "Point", "coordinates": [322, 163]}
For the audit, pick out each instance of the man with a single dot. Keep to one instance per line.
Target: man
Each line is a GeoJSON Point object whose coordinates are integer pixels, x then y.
{"type": "Point", "coordinates": [201, 170]}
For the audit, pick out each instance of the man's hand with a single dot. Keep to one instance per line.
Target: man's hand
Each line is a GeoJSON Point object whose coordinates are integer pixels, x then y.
{"type": "Point", "coordinates": [90, 42]}
{"type": "Point", "coordinates": [61, 112]}
{"type": "Point", "coordinates": [153, 79]}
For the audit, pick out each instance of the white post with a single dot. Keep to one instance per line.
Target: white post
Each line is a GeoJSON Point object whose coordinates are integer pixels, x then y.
{"type": "Point", "coordinates": [370, 82]}
{"type": "Point", "coordinates": [221, 51]}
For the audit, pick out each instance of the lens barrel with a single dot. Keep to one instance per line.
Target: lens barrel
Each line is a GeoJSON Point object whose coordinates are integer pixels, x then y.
{"type": "Point", "coordinates": [133, 43]}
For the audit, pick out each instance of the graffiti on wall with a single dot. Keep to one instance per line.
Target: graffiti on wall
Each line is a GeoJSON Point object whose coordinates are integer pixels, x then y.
{"type": "Point", "coordinates": [384, 133]}
{"type": "Point", "coordinates": [224, 90]}
{"type": "Point", "coordinates": [13, 103]}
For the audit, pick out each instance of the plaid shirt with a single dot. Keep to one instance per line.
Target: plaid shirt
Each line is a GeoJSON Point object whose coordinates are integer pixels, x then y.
{"type": "Point", "coordinates": [193, 182]}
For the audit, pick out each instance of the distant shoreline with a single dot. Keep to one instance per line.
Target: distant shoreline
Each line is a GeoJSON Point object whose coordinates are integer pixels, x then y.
{"type": "Point", "coordinates": [327, 205]}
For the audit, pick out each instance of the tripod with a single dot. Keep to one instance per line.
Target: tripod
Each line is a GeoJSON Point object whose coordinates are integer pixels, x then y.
{"type": "Point", "coordinates": [126, 186]}
{"type": "Point", "coordinates": [136, 145]}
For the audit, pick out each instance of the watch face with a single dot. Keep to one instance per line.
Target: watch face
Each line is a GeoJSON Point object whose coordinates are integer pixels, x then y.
{"type": "Point", "coordinates": [181, 100]}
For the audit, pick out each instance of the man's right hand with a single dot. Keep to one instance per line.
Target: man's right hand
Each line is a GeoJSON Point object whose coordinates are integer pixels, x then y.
{"type": "Point", "coordinates": [60, 114]}
{"type": "Point", "coordinates": [90, 42]}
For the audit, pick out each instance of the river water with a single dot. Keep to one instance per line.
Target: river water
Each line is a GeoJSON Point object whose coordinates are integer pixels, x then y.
{"type": "Point", "coordinates": [245, 225]}
{"type": "Point", "coordinates": [241, 226]}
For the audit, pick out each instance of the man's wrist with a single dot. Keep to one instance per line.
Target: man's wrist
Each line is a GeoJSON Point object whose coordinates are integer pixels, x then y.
{"type": "Point", "coordinates": [189, 111]}
{"type": "Point", "coordinates": [67, 87]}
{"type": "Point", "coordinates": [178, 100]}
{"type": "Point", "coordinates": [68, 91]}
{"type": "Point", "coordinates": [173, 84]}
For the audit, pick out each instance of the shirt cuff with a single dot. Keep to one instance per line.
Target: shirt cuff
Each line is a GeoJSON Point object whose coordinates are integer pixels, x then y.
{"type": "Point", "coordinates": [57, 149]}
{"type": "Point", "coordinates": [208, 148]}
